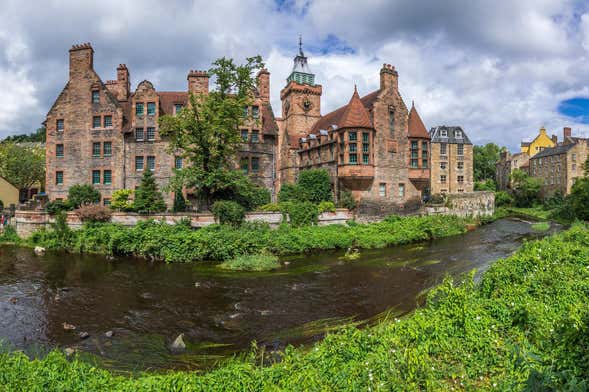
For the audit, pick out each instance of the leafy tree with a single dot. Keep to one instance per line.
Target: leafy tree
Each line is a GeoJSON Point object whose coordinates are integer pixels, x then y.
{"type": "Point", "coordinates": [578, 200]}
{"type": "Point", "coordinates": [228, 212]}
{"type": "Point", "coordinates": [147, 196]}
{"type": "Point", "coordinates": [121, 200]}
{"type": "Point", "coordinates": [37, 137]}
{"type": "Point", "coordinates": [179, 201]}
{"type": "Point", "coordinates": [485, 185]}
{"type": "Point", "coordinates": [22, 166]}
{"type": "Point", "coordinates": [526, 189]}
{"type": "Point", "coordinates": [207, 130]}
{"type": "Point", "coordinates": [289, 192]}
{"type": "Point", "coordinates": [484, 159]}
{"type": "Point", "coordinates": [82, 194]}
{"type": "Point", "coordinates": [314, 184]}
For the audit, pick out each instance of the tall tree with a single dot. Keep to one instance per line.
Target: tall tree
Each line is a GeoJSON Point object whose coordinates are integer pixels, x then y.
{"type": "Point", "coordinates": [207, 130]}
{"type": "Point", "coordinates": [484, 159]}
{"type": "Point", "coordinates": [147, 196]}
{"type": "Point", "coordinates": [22, 166]}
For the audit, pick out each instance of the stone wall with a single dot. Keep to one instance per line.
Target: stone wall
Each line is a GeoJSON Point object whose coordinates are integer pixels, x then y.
{"type": "Point", "coordinates": [29, 221]}
{"type": "Point", "coordinates": [473, 204]}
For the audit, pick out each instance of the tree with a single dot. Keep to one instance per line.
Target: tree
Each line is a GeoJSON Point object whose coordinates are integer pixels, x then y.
{"type": "Point", "coordinates": [315, 185]}
{"type": "Point", "coordinates": [83, 194]}
{"type": "Point", "coordinates": [526, 189]}
{"type": "Point", "coordinates": [121, 200]}
{"type": "Point", "coordinates": [38, 136]}
{"type": "Point", "coordinates": [207, 130]}
{"type": "Point", "coordinates": [484, 159]}
{"type": "Point", "coordinates": [147, 196]}
{"type": "Point", "coordinates": [179, 202]}
{"type": "Point", "coordinates": [22, 166]}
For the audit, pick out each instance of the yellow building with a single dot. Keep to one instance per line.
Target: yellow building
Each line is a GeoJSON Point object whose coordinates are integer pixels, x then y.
{"type": "Point", "coordinates": [8, 193]}
{"type": "Point", "coordinates": [540, 142]}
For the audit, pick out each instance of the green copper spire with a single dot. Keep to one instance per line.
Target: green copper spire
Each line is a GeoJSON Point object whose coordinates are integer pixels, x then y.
{"type": "Point", "coordinates": [300, 70]}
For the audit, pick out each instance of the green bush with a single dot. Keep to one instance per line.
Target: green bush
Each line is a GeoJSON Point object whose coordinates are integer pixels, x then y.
{"type": "Point", "coordinates": [251, 263]}
{"type": "Point", "coordinates": [54, 207]}
{"type": "Point", "coordinates": [229, 213]}
{"type": "Point", "coordinates": [302, 213]}
{"type": "Point", "coordinates": [315, 186]}
{"type": "Point", "coordinates": [121, 200]}
{"type": "Point", "coordinates": [289, 192]}
{"type": "Point", "coordinates": [179, 201]}
{"type": "Point", "coordinates": [270, 207]}
{"type": "Point", "coordinates": [485, 185]}
{"type": "Point", "coordinates": [578, 200]}
{"type": "Point", "coordinates": [9, 235]}
{"type": "Point", "coordinates": [82, 194]}
{"type": "Point", "coordinates": [526, 189]}
{"type": "Point", "coordinates": [148, 198]}
{"type": "Point", "coordinates": [346, 200]}
{"type": "Point", "coordinates": [326, 206]}
{"type": "Point", "coordinates": [503, 199]}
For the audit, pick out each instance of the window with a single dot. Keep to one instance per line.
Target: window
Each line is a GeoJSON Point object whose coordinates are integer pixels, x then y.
{"type": "Point", "coordinates": [414, 153]}
{"type": "Point", "coordinates": [244, 135]}
{"type": "Point", "coordinates": [107, 149]}
{"type": "Point", "coordinates": [95, 96]}
{"type": "Point", "coordinates": [255, 164]}
{"type": "Point", "coordinates": [95, 177]}
{"type": "Point", "coordinates": [106, 202]}
{"type": "Point", "coordinates": [353, 159]}
{"type": "Point", "coordinates": [365, 159]}
{"type": "Point", "coordinates": [365, 137]}
{"type": "Point", "coordinates": [382, 189]}
{"type": "Point", "coordinates": [443, 178]}
{"type": "Point", "coordinates": [108, 121]}
{"type": "Point", "coordinates": [255, 111]}
{"type": "Point", "coordinates": [353, 147]}
{"type": "Point", "coordinates": [150, 108]}
{"type": "Point", "coordinates": [392, 121]}
{"type": "Point", "coordinates": [178, 162]}
{"type": "Point", "coordinates": [59, 150]}
{"type": "Point", "coordinates": [574, 157]}
{"type": "Point", "coordinates": [96, 150]}
{"type": "Point", "coordinates": [443, 133]}
{"type": "Point", "coordinates": [58, 178]}
{"type": "Point", "coordinates": [246, 111]}
{"type": "Point", "coordinates": [177, 108]}
{"type": "Point", "coordinates": [460, 149]}
{"type": "Point", "coordinates": [151, 163]}
{"type": "Point", "coordinates": [107, 177]}
{"type": "Point", "coordinates": [443, 147]}
{"type": "Point", "coordinates": [138, 163]}
{"type": "Point", "coordinates": [255, 136]}
{"type": "Point", "coordinates": [139, 109]}
{"type": "Point", "coordinates": [402, 191]}
{"type": "Point", "coordinates": [150, 133]}
{"type": "Point", "coordinates": [443, 165]}
{"type": "Point", "coordinates": [139, 134]}
{"type": "Point", "coordinates": [574, 167]}
{"type": "Point", "coordinates": [353, 136]}
{"type": "Point", "coordinates": [59, 124]}
{"type": "Point", "coordinates": [244, 165]}
{"type": "Point", "coordinates": [458, 134]}
{"type": "Point", "coordinates": [424, 154]}
{"type": "Point", "coordinates": [365, 147]}
{"type": "Point", "coordinates": [460, 178]}
{"type": "Point", "coordinates": [96, 122]}
{"type": "Point", "coordinates": [460, 165]}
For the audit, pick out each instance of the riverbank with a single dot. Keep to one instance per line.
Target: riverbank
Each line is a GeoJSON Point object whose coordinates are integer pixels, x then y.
{"type": "Point", "coordinates": [180, 243]}
{"type": "Point", "coordinates": [525, 324]}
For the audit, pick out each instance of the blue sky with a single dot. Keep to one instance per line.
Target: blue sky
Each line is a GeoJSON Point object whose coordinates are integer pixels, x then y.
{"type": "Point", "coordinates": [501, 69]}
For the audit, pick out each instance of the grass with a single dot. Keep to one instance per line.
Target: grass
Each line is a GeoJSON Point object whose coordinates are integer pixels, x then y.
{"type": "Point", "coordinates": [251, 263]}
{"type": "Point", "coordinates": [541, 226]}
{"type": "Point", "coordinates": [523, 327]}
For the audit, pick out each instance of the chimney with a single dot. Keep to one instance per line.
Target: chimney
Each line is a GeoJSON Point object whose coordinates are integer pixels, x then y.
{"type": "Point", "coordinates": [566, 132]}
{"type": "Point", "coordinates": [198, 82]}
{"type": "Point", "coordinates": [263, 83]}
{"type": "Point", "coordinates": [554, 139]}
{"type": "Point", "coordinates": [389, 78]}
{"type": "Point", "coordinates": [124, 82]}
{"type": "Point", "coordinates": [81, 60]}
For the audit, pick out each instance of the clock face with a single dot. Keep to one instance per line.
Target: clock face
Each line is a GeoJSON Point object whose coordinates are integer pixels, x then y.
{"type": "Point", "coordinates": [306, 104]}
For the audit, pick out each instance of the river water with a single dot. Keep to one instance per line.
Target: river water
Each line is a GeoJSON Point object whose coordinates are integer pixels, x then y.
{"type": "Point", "coordinates": [147, 305]}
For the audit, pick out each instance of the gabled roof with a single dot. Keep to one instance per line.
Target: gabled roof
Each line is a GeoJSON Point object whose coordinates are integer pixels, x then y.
{"type": "Point", "coordinates": [415, 125]}
{"type": "Point", "coordinates": [334, 118]}
{"type": "Point", "coordinates": [169, 98]}
{"type": "Point", "coordinates": [355, 114]}
{"type": "Point", "coordinates": [269, 125]}
{"type": "Point", "coordinates": [559, 149]}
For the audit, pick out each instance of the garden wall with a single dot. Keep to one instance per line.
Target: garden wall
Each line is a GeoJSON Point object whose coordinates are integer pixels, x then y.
{"type": "Point", "coordinates": [29, 221]}
{"type": "Point", "coordinates": [473, 204]}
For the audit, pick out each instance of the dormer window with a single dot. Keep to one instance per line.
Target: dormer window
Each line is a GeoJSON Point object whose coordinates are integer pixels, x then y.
{"type": "Point", "coordinates": [95, 96]}
{"type": "Point", "coordinates": [458, 134]}
{"type": "Point", "coordinates": [443, 133]}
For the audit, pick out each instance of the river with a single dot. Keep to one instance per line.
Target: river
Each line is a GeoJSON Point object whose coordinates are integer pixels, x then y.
{"type": "Point", "coordinates": [146, 304]}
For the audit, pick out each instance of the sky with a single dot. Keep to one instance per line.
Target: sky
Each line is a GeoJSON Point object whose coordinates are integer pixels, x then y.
{"type": "Point", "coordinates": [500, 69]}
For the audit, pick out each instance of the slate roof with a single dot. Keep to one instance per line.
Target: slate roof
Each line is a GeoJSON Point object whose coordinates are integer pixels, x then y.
{"type": "Point", "coordinates": [559, 149]}
{"type": "Point", "coordinates": [335, 117]}
{"type": "Point", "coordinates": [415, 125]}
{"type": "Point", "coordinates": [451, 132]}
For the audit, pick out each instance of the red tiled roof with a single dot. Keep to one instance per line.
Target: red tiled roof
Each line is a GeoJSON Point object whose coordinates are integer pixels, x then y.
{"type": "Point", "coordinates": [269, 126]}
{"type": "Point", "coordinates": [169, 98]}
{"type": "Point", "coordinates": [335, 117]}
{"type": "Point", "coordinates": [415, 125]}
{"type": "Point", "coordinates": [355, 114]}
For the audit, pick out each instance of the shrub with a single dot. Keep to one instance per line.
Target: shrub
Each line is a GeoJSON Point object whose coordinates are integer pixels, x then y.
{"type": "Point", "coordinates": [314, 186]}
{"type": "Point", "coordinates": [121, 200]}
{"type": "Point", "coordinates": [503, 198]}
{"type": "Point", "coordinates": [437, 198]}
{"type": "Point", "coordinates": [94, 213]}
{"type": "Point", "coordinates": [179, 201]}
{"type": "Point", "coordinates": [302, 213]}
{"type": "Point", "coordinates": [326, 206]}
{"type": "Point", "coordinates": [271, 207]}
{"type": "Point", "coordinates": [251, 263]}
{"type": "Point", "coordinates": [229, 213]}
{"type": "Point", "coordinates": [147, 196]}
{"type": "Point", "coordinates": [346, 200]}
{"type": "Point", "coordinates": [526, 189]}
{"type": "Point", "coordinates": [9, 235]}
{"type": "Point", "coordinates": [54, 207]}
{"type": "Point", "coordinates": [289, 192]}
{"type": "Point", "coordinates": [578, 200]}
{"type": "Point", "coordinates": [82, 194]}
{"type": "Point", "coordinates": [485, 185]}
{"type": "Point", "coordinates": [554, 201]}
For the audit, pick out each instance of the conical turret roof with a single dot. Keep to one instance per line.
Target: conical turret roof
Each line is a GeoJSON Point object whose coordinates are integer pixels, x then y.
{"type": "Point", "coordinates": [355, 114]}
{"type": "Point", "coordinates": [415, 125]}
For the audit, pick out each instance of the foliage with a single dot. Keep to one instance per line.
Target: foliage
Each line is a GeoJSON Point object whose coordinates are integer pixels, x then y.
{"type": "Point", "coordinates": [8, 235]}
{"type": "Point", "coordinates": [179, 201]}
{"type": "Point", "coordinates": [94, 213]}
{"type": "Point", "coordinates": [289, 192]}
{"type": "Point", "coordinates": [578, 200]}
{"type": "Point", "coordinates": [503, 199]}
{"type": "Point", "coordinates": [524, 326]}
{"type": "Point", "coordinates": [326, 206]}
{"type": "Point", "coordinates": [484, 159]}
{"type": "Point", "coordinates": [148, 198]}
{"type": "Point", "coordinates": [121, 200]}
{"type": "Point", "coordinates": [207, 129]}
{"type": "Point", "coordinates": [270, 207]}
{"type": "Point", "coordinates": [22, 166]}
{"type": "Point", "coordinates": [301, 213]}
{"type": "Point", "coordinates": [541, 226]}
{"type": "Point", "coordinates": [228, 212]}
{"type": "Point", "coordinates": [438, 198]}
{"type": "Point", "coordinates": [261, 262]}
{"type": "Point", "coordinates": [53, 207]}
{"type": "Point", "coordinates": [526, 189]}
{"type": "Point", "coordinates": [485, 185]}
{"type": "Point", "coordinates": [240, 188]}
{"type": "Point", "coordinates": [554, 201]}
{"type": "Point", "coordinates": [83, 194]}
{"type": "Point", "coordinates": [38, 136]}
{"type": "Point", "coordinates": [315, 186]}
{"type": "Point", "coordinates": [346, 200]}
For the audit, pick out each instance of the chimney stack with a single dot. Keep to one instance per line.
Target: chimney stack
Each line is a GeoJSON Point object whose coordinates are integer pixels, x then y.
{"type": "Point", "coordinates": [81, 60]}
{"type": "Point", "coordinates": [554, 139]}
{"type": "Point", "coordinates": [566, 132]}
{"type": "Point", "coordinates": [389, 78]}
{"type": "Point", "coordinates": [263, 84]}
{"type": "Point", "coordinates": [198, 82]}
{"type": "Point", "coordinates": [124, 82]}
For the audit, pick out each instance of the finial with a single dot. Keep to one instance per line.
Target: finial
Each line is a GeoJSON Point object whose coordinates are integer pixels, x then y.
{"type": "Point", "coordinates": [412, 103]}
{"type": "Point", "coordinates": [355, 89]}
{"type": "Point", "coordinates": [301, 45]}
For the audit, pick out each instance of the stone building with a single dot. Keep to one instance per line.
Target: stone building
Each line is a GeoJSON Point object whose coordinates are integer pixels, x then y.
{"type": "Point", "coordinates": [451, 160]}
{"type": "Point", "coordinates": [506, 165]}
{"type": "Point", "coordinates": [373, 147]}
{"type": "Point", "coordinates": [539, 143]}
{"type": "Point", "coordinates": [104, 134]}
{"type": "Point", "coordinates": [558, 167]}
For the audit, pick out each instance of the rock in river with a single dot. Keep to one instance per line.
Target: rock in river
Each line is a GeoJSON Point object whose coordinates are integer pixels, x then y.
{"type": "Point", "coordinates": [178, 344]}
{"type": "Point", "coordinates": [39, 250]}
{"type": "Point", "coordinates": [68, 327]}
{"type": "Point", "coordinates": [109, 334]}
{"type": "Point", "coordinates": [84, 335]}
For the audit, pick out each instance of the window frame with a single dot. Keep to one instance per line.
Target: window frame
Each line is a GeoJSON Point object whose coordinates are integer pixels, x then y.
{"type": "Point", "coordinates": [106, 153]}
{"type": "Point", "coordinates": [96, 180]}
{"type": "Point", "coordinates": [150, 160]}
{"type": "Point", "coordinates": [139, 159]}
{"type": "Point", "coordinates": [96, 149]}
{"type": "Point", "coordinates": [142, 134]}
{"type": "Point", "coordinates": [59, 125]}
{"type": "Point", "coordinates": [57, 150]}
{"type": "Point", "coordinates": [95, 97]}
{"type": "Point", "coordinates": [104, 121]}
{"type": "Point", "coordinates": [137, 111]}
{"type": "Point", "coordinates": [104, 175]}
{"type": "Point", "coordinates": [96, 120]}
{"type": "Point", "coordinates": [59, 177]}
{"type": "Point", "coordinates": [150, 134]}
{"type": "Point", "coordinates": [151, 108]}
